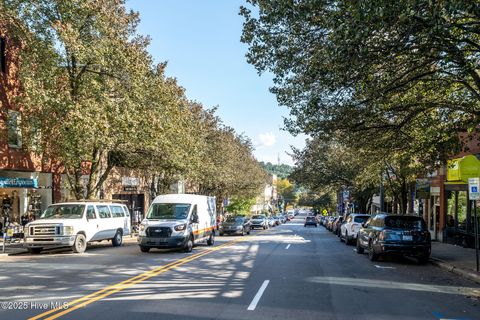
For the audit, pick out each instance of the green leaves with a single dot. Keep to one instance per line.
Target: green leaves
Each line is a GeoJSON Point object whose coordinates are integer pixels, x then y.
{"type": "Point", "coordinates": [93, 99]}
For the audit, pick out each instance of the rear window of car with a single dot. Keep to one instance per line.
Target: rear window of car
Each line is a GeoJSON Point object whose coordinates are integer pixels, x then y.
{"type": "Point", "coordinates": [310, 218]}
{"type": "Point", "coordinates": [405, 223]}
{"type": "Point", "coordinates": [360, 219]}
{"type": "Point", "coordinates": [258, 217]}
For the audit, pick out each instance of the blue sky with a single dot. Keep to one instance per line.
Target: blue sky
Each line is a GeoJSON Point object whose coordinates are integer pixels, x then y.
{"type": "Point", "coordinates": [200, 39]}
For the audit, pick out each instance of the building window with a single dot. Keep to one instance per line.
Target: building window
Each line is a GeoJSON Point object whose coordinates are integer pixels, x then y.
{"type": "Point", "coordinates": [3, 55]}
{"type": "Point", "coordinates": [14, 130]}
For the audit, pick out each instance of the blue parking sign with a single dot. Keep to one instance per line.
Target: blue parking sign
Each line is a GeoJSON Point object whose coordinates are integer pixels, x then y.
{"type": "Point", "coordinates": [474, 189]}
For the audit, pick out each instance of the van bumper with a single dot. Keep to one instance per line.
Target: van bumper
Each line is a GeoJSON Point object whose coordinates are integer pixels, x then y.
{"type": "Point", "coordinates": [162, 243]}
{"type": "Point", "coordinates": [45, 242]}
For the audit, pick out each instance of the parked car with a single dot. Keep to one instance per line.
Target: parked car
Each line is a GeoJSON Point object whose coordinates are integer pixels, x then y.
{"type": "Point", "coordinates": [349, 229]}
{"type": "Point", "coordinates": [259, 221]}
{"type": "Point", "coordinates": [283, 218]}
{"type": "Point", "coordinates": [336, 225]}
{"type": "Point", "coordinates": [74, 224]}
{"type": "Point", "coordinates": [271, 221]}
{"type": "Point", "coordinates": [235, 225]}
{"type": "Point", "coordinates": [277, 220]}
{"type": "Point", "coordinates": [330, 221]}
{"type": "Point", "coordinates": [310, 221]}
{"type": "Point", "coordinates": [395, 234]}
{"type": "Point", "coordinates": [178, 221]}
{"type": "Point", "coordinates": [291, 216]}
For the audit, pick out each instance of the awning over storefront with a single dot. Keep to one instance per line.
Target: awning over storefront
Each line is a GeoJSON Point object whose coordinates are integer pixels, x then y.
{"type": "Point", "coordinates": [18, 183]}
{"type": "Point", "coordinates": [460, 169]}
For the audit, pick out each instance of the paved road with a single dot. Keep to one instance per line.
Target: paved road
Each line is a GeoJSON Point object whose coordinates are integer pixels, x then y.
{"type": "Point", "coordinates": [288, 272]}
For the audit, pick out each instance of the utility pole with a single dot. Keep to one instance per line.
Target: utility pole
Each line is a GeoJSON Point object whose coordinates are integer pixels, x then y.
{"type": "Point", "coordinates": [382, 194]}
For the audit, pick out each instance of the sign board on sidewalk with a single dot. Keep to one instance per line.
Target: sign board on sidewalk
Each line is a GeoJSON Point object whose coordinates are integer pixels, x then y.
{"type": "Point", "coordinates": [474, 188]}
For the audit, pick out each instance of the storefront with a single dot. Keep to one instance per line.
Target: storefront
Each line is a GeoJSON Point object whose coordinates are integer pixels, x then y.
{"type": "Point", "coordinates": [459, 220]}
{"type": "Point", "coordinates": [23, 196]}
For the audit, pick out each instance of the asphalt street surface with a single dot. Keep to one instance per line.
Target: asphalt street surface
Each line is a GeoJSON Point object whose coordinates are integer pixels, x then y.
{"type": "Point", "coordinates": [287, 272]}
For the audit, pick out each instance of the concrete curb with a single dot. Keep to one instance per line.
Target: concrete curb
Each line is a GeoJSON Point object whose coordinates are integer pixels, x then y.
{"type": "Point", "coordinates": [471, 275]}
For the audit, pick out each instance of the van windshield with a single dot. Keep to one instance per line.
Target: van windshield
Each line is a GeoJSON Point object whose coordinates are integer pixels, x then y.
{"type": "Point", "coordinates": [67, 211]}
{"type": "Point", "coordinates": [168, 211]}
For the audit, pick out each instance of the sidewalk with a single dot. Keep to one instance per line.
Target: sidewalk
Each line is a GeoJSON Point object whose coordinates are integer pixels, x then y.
{"type": "Point", "coordinates": [455, 259]}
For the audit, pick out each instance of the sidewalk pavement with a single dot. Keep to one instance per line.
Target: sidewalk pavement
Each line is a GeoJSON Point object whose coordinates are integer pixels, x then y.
{"type": "Point", "coordinates": [17, 247]}
{"type": "Point", "coordinates": [456, 259]}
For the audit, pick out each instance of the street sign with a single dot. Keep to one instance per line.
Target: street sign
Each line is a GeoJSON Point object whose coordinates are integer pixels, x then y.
{"type": "Point", "coordinates": [474, 188]}
{"type": "Point", "coordinates": [346, 195]}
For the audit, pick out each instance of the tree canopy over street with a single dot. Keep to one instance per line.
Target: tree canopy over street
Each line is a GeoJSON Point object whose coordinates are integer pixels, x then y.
{"type": "Point", "coordinates": [396, 82]}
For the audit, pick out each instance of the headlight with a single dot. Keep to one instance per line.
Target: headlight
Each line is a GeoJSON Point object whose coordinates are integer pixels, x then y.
{"type": "Point", "coordinates": [25, 231]}
{"type": "Point", "coordinates": [142, 227]}
{"type": "Point", "coordinates": [180, 227]}
{"type": "Point", "coordinates": [68, 230]}
{"type": "Point", "coordinates": [239, 227]}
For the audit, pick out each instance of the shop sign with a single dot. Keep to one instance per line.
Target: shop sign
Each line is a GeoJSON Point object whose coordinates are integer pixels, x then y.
{"type": "Point", "coordinates": [18, 183]}
{"type": "Point", "coordinates": [130, 181]}
{"type": "Point", "coordinates": [474, 188]}
{"type": "Point", "coordinates": [422, 189]}
{"type": "Point", "coordinates": [130, 188]}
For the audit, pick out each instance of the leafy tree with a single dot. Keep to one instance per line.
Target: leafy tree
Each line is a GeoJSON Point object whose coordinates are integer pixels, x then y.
{"type": "Point", "coordinates": [241, 205]}
{"type": "Point", "coordinates": [401, 73]}
{"type": "Point", "coordinates": [83, 72]}
{"type": "Point", "coordinates": [286, 191]}
{"type": "Point", "coordinates": [327, 166]}
{"type": "Point", "coordinates": [281, 170]}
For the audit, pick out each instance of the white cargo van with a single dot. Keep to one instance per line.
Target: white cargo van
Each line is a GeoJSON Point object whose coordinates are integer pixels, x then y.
{"type": "Point", "coordinates": [74, 224]}
{"type": "Point", "coordinates": [178, 221]}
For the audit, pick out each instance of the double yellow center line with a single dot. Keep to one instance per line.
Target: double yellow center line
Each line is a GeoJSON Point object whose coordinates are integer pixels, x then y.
{"type": "Point", "coordinates": [107, 291]}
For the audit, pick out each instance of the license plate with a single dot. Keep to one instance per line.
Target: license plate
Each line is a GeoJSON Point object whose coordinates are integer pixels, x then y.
{"type": "Point", "coordinates": [407, 238]}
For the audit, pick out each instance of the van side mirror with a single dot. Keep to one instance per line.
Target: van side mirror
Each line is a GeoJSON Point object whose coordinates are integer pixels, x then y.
{"type": "Point", "coordinates": [364, 225]}
{"type": "Point", "coordinates": [194, 219]}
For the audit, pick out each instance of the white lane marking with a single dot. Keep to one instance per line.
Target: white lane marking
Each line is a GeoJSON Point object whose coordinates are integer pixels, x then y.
{"type": "Point", "coordinates": [381, 267]}
{"type": "Point", "coordinates": [287, 247]}
{"type": "Point", "coordinates": [257, 297]}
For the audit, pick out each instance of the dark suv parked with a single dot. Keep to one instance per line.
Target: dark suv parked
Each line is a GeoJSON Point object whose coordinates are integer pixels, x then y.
{"type": "Point", "coordinates": [385, 234]}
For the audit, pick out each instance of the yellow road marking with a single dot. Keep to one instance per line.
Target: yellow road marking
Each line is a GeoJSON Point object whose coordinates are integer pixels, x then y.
{"type": "Point", "coordinates": [109, 290]}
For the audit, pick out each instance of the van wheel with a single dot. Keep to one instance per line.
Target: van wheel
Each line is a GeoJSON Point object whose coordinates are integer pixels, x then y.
{"type": "Point", "coordinates": [189, 245]}
{"type": "Point", "coordinates": [34, 250]}
{"type": "Point", "coordinates": [117, 240]}
{"type": "Point", "coordinates": [248, 232]}
{"type": "Point", "coordinates": [80, 244]}
{"type": "Point", "coordinates": [211, 239]}
{"type": "Point", "coordinates": [144, 249]}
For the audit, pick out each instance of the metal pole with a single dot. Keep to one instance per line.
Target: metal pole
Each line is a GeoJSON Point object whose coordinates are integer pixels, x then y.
{"type": "Point", "coordinates": [476, 231]}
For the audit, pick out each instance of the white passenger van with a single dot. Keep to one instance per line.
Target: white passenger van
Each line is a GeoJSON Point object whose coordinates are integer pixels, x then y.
{"type": "Point", "coordinates": [74, 224]}
{"type": "Point", "coordinates": [178, 221]}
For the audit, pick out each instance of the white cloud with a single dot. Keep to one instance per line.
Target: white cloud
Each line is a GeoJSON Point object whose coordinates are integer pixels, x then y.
{"type": "Point", "coordinates": [267, 139]}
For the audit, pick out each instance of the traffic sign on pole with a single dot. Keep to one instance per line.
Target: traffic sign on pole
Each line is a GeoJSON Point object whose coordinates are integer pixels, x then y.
{"type": "Point", "coordinates": [474, 188]}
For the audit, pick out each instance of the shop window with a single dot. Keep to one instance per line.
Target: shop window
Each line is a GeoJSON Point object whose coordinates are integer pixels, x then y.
{"type": "Point", "coordinates": [3, 55]}
{"type": "Point", "coordinates": [14, 130]}
{"type": "Point", "coordinates": [462, 210]}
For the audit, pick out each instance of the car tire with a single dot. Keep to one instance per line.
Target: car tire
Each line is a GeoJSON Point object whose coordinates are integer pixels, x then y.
{"type": "Point", "coordinates": [80, 244]}
{"type": "Point", "coordinates": [424, 258]}
{"type": "Point", "coordinates": [211, 239]}
{"type": "Point", "coordinates": [248, 232]}
{"type": "Point", "coordinates": [347, 242]}
{"type": "Point", "coordinates": [117, 239]}
{"type": "Point", "coordinates": [371, 252]}
{"type": "Point", "coordinates": [243, 232]}
{"type": "Point", "coordinates": [34, 250]}
{"type": "Point", "coordinates": [144, 249]}
{"type": "Point", "coordinates": [188, 245]}
{"type": "Point", "coordinates": [359, 247]}
{"type": "Point", "coordinates": [264, 228]}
